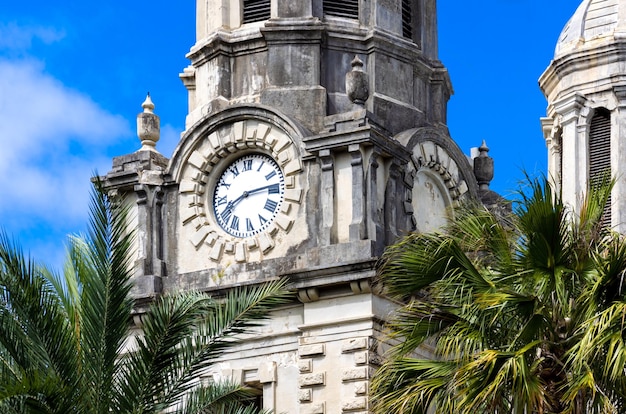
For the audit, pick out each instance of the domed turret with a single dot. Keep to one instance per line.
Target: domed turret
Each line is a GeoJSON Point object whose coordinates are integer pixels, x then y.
{"type": "Point", "coordinates": [585, 85]}
{"type": "Point", "coordinates": [594, 22]}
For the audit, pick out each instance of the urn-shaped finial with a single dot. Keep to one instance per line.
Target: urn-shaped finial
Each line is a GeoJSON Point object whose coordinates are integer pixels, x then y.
{"type": "Point", "coordinates": [148, 126]}
{"type": "Point", "coordinates": [483, 167]}
{"type": "Point", "coordinates": [357, 83]}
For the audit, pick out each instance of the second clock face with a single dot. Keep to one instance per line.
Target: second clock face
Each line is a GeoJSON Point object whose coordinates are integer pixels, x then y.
{"type": "Point", "coordinates": [248, 195]}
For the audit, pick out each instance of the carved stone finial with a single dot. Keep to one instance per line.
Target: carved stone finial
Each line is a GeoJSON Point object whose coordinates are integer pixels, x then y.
{"type": "Point", "coordinates": [148, 126]}
{"type": "Point", "coordinates": [483, 167]}
{"type": "Point", "coordinates": [357, 83]}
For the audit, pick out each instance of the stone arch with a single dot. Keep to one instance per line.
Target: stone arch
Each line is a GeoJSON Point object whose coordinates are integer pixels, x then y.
{"type": "Point", "coordinates": [206, 149]}
{"type": "Point", "coordinates": [236, 113]}
{"type": "Point", "coordinates": [437, 176]}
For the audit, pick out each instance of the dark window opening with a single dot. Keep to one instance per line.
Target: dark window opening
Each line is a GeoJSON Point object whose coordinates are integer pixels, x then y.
{"type": "Point", "coordinates": [257, 393]}
{"type": "Point", "coordinates": [256, 10]}
{"type": "Point", "coordinates": [407, 19]}
{"type": "Point", "coordinates": [342, 8]}
{"type": "Point", "coordinates": [600, 153]}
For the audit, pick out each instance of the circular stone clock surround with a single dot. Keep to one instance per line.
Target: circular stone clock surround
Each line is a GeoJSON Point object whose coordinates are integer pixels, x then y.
{"type": "Point", "coordinates": [204, 160]}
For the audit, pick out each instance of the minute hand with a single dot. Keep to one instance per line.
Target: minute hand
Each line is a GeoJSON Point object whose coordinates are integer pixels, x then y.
{"type": "Point", "coordinates": [231, 204]}
{"type": "Point", "coordinates": [256, 190]}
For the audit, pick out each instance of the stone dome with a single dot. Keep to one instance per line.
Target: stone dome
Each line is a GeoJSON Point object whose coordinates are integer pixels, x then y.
{"type": "Point", "coordinates": [593, 23]}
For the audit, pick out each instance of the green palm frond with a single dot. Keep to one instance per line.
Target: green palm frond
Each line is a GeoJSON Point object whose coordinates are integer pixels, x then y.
{"type": "Point", "coordinates": [526, 315]}
{"type": "Point", "coordinates": [182, 336]}
{"type": "Point", "coordinates": [64, 339]}
{"type": "Point", "coordinates": [37, 348]}
{"type": "Point", "coordinates": [222, 397]}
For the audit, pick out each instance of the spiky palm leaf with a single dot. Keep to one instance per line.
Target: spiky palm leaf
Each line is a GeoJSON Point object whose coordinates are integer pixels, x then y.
{"type": "Point", "coordinates": [63, 339]}
{"type": "Point", "coordinates": [520, 317]}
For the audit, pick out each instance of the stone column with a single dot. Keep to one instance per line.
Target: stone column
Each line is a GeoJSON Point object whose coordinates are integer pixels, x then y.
{"type": "Point", "coordinates": [618, 155]}
{"type": "Point", "coordinates": [574, 148]}
{"type": "Point", "coordinates": [393, 202]}
{"type": "Point", "coordinates": [374, 214]}
{"type": "Point", "coordinates": [149, 265]}
{"type": "Point", "coordinates": [327, 199]}
{"type": "Point", "coordinates": [357, 226]}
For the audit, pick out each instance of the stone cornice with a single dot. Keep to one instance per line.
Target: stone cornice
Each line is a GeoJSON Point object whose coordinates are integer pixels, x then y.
{"type": "Point", "coordinates": [229, 43]}
{"type": "Point", "coordinates": [358, 127]}
{"type": "Point", "coordinates": [581, 60]}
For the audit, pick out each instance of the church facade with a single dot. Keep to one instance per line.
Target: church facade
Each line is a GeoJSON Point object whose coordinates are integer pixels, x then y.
{"type": "Point", "coordinates": [315, 137]}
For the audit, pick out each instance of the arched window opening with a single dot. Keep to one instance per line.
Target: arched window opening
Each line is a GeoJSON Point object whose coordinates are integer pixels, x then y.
{"type": "Point", "coordinates": [600, 152]}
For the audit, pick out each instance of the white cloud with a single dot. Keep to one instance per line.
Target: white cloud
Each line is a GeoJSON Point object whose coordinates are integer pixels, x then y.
{"type": "Point", "coordinates": [52, 139]}
{"type": "Point", "coordinates": [15, 37]}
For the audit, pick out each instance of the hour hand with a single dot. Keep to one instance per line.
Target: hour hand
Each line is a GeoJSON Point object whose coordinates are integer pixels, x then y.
{"type": "Point", "coordinates": [231, 204]}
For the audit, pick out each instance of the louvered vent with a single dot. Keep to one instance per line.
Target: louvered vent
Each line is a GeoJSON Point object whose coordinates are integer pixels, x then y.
{"type": "Point", "coordinates": [256, 10]}
{"type": "Point", "coordinates": [600, 153]}
{"type": "Point", "coordinates": [342, 8]}
{"type": "Point", "coordinates": [407, 19]}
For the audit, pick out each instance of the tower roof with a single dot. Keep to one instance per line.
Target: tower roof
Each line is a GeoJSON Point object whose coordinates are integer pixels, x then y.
{"type": "Point", "coordinates": [593, 23]}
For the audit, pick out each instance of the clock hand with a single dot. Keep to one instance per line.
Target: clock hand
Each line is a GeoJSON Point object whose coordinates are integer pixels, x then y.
{"type": "Point", "coordinates": [231, 204]}
{"type": "Point", "coordinates": [245, 194]}
{"type": "Point", "coordinates": [256, 190]}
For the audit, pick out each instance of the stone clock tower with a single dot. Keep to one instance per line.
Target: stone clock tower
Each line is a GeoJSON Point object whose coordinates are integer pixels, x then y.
{"type": "Point", "coordinates": [316, 136]}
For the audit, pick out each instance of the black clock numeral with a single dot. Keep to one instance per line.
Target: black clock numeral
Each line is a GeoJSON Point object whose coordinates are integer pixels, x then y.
{"type": "Point", "coordinates": [221, 200]}
{"type": "Point", "coordinates": [226, 215]}
{"type": "Point", "coordinates": [270, 175]}
{"type": "Point", "coordinates": [260, 166]}
{"type": "Point", "coordinates": [223, 183]}
{"type": "Point", "coordinates": [235, 223]}
{"type": "Point", "coordinates": [270, 205]}
{"type": "Point", "coordinates": [262, 220]}
{"type": "Point", "coordinates": [249, 225]}
{"type": "Point", "coordinates": [247, 165]}
{"type": "Point", "coordinates": [273, 189]}
{"type": "Point", "coordinates": [235, 171]}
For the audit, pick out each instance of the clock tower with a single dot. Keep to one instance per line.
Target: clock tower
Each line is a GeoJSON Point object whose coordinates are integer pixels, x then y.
{"type": "Point", "coordinates": [315, 136]}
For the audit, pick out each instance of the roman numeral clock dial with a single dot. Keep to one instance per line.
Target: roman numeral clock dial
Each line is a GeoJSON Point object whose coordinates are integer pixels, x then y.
{"type": "Point", "coordinates": [248, 195]}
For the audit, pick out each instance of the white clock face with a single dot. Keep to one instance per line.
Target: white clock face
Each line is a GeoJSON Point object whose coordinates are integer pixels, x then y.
{"type": "Point", "coordinates": [248, 195]}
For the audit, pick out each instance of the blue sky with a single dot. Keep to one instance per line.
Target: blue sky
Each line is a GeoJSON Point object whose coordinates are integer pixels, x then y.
{"type": "Point", "coordinates": [73, 77]}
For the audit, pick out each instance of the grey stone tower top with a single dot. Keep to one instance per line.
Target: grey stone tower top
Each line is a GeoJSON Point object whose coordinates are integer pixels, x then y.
{"type": "Point", "coordinates": [293, 56]}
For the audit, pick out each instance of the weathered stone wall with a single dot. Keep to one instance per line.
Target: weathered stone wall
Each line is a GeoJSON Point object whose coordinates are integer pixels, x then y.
{"type": "Point", "coordinates": [353, 113]}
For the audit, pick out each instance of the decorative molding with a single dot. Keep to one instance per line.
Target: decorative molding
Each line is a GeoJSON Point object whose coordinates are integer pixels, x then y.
{"type": "Point", "coordinates": [430, 157]}
{"type": "Point", "coordinates": [204, 164]}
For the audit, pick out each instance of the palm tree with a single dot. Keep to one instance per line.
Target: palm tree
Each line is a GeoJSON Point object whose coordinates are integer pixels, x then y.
{"type": "Point", "coordinates": [523, 315]}
{"type": "Point", "coordinates": [63, 340]}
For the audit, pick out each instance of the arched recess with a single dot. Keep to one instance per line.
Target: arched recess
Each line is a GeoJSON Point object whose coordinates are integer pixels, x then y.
{"type": "Point", "coordinates": [202, 155]}
{"type": "Point", "coordinates": [437, 176]}
{"type": "Point", "coordinates": [212, 122]}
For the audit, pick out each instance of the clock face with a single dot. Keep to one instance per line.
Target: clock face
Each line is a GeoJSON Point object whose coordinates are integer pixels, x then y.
{"type": "Point", "coordinates": [248, 195]}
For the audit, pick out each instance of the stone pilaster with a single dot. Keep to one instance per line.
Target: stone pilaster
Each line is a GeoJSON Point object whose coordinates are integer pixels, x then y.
{"type": "Point", "coordinates": [327, 199]}
{"type": "Point", "coordinates": [357, 226]}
